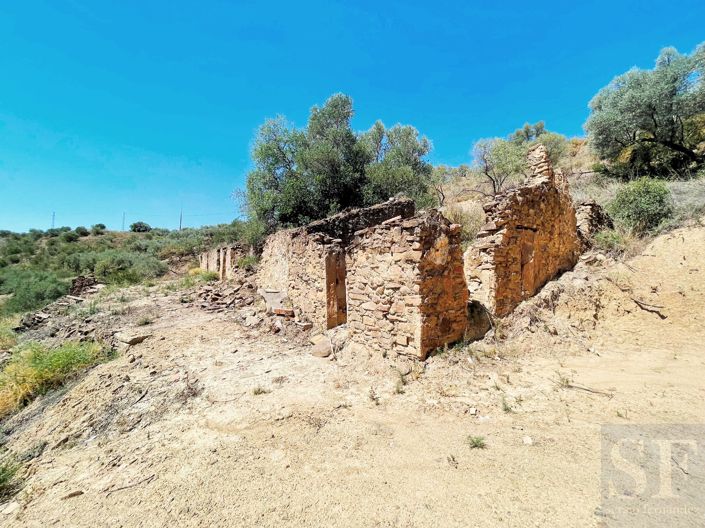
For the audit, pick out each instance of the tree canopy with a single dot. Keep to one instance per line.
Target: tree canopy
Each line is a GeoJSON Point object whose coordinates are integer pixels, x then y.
{"type": "Point", "coordinates": [305, 174]}
{"type": "Point", "coordinates": [652, 122]}
{"type": "Point", "coordinates": [502, 161]}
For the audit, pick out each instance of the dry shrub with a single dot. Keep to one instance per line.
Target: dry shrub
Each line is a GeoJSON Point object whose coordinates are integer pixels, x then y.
{"type": "Point", "coordinates": [469, 215]}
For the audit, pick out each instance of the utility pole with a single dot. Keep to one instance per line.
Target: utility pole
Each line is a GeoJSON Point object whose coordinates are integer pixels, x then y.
{"type": "Point", "coordinates": [181, 217]}
{"type": "Point", "coordinates": [53, 218]}
{"type": "Point", "coordinates": [123, 221]}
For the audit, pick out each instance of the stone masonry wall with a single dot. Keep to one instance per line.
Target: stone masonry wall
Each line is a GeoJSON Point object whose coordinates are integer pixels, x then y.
{"type": "Point", "coordinates": [222, 260]}
{"type": "Point", "coordinates": [406, 290]}
{"type": "Point", "coordinates": [298, 261]}
{"type": "Point", "coordinates": [529, 238]}
{"type": "Point", "coordinates": [344, 224]}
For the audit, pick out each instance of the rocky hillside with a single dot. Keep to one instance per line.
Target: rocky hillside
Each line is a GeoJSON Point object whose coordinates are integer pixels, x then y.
{"type": "Point", "coordinates": [207, 412]}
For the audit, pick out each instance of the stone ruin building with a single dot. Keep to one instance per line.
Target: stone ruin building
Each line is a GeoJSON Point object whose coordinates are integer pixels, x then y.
{"type": "Point", "coordinates": [400, 281]}
{"type": "Point", "coordinates": [396, 279]}
{"type": "Point", "coordinates": [308, 263]}
{"type": "Point", "coordinates": [529, 238]}
{"type": "Point", "coordinates": [405, 284]}
{"type": "Point", "coordinates": [221, 260]}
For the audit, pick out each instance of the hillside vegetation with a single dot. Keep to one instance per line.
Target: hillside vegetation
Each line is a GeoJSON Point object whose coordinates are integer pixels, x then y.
{"type": "Point", "coordinates": [35, 267]}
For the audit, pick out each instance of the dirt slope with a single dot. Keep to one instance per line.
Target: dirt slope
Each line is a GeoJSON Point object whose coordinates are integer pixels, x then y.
{"type": "Point", "coordinates": [172, 433]}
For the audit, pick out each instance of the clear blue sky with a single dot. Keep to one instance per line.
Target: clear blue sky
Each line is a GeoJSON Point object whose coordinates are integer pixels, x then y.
{"type": "Point", "coordinates": [142, 106]}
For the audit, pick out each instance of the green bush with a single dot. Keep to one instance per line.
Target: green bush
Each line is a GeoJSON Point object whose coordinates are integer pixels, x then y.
{"type": "Point", "coordinates": [82, 231]}
{"type": "Point", "coordinates": [249, 262]}
{"type": "Point", "coordinates": [123, 267]}
{"type": "Point", "coordinates": [69, 236]}
{"type": "Point", "coordinates": [140, 227]}
{"type": "Point", "coordinates": [642, 205]}
{"type": "Point", "coordinates": [31, 289]}
{"type": "Point", "coordinates": [8, 338]}
{"type": "Point", "coordinates": [98, 229]}
{"type": "Point", "coordinates": [8, 471]}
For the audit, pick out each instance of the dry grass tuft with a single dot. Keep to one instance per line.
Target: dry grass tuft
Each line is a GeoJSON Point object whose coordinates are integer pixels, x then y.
{"type": "Point", "coordinates": [35, 369]}
{"type": "Point", "coordinates": [8, 338]}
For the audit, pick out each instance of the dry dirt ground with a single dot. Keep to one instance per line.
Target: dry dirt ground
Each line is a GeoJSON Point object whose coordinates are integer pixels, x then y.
{"type": "Point", "coordinates": [208, 423]}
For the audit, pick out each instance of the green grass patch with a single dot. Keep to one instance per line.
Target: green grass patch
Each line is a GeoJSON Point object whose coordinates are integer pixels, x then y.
{"type": "Point", "coordinates": [35, 369]}
{"type": "Point", "coordinates": [477, 442]}
{"type": "Point", "coordinates": [249, 262]}
{"type": "Point", "coordinates": [8, 476]}
{"type": "Point", "coordinates": [31, 289]}
{"type": "Point", "coordinates": [8, 338]}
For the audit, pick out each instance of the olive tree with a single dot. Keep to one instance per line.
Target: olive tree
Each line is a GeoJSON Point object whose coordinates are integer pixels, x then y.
{"type": "Point", "coordinates": [301, 175]}
{"type": "Point", "coordinates": [652, 121]}
{"type": "Point", "coordinates": [499, 161]}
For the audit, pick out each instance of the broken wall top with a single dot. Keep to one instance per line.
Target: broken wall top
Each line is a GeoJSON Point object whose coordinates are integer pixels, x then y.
{"type": "Point", "coordinates": [530, 237]}
{"type": "Point", "coordinates": [423, 229]}
{"type": "Point", "coordinates": [510, 204]}
{"type": "Point", "coordinates": [342, 226]}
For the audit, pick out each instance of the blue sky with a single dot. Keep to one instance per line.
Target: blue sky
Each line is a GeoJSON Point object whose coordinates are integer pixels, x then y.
{"type": "Point", "coordinates": [147, 107]}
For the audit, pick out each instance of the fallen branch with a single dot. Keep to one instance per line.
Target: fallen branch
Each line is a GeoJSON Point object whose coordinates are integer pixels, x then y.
{"type": "Point", "coordinates": [620, 288]}
{"type": "Point", "coordinates": [143, 481]}
{"type": "Point", "coordinates": [588, 389]}
{"type": "Point", "coordinates": [651, 308]}
{"type": "Point", "coordinates": [141, 397]}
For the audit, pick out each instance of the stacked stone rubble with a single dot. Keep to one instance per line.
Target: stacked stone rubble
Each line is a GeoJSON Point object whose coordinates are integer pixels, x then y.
{"type": "Point", "coordinates": [529, 238]}
{"type": "Point", "coordinates": [406, 288]}
{"type": "Point", "coordinates": [591, 218]}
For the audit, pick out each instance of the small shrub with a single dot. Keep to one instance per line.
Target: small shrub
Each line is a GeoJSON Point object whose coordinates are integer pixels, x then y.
{"type": "Point", "coordinates": [144, 321]}
{"type": "Point", "coordinates": [617, 242]}
{"type": "Point", "coordinates": [123, 267]}
{"type": "Point", "coordinates": [140, 227]}
{"type": "Point", "coordinates": [477, 442]}
{"type": "Point", "coordinates": [249, 262]}
{"type": "Point", "coordinates": [98, 229]}
{"type": "Point", "coordinates": [203, 275]}
{"type": "Point", "coordinates": [35, 369]}
{"type": "Point", "coordinates": [8, 473]}
{"type": "Point", "coordinates": [69, 236]}
{"type": "Point", "coordinates": [258, 390]}
{"type": "Point", "coordinates": [506, 406]}
{"type": "Point", "coordinates": [642, 205]}
{"type": "Point", "coordinates": [31, 290]}
{"type": "Point", "coordinates": [8, 338]}
{"type": "Point", "coordinates": [470, 216]}
{"type": "Point", "coordinates": [610, 241]}
{"type": "Point", "coordinates": [82, 231]}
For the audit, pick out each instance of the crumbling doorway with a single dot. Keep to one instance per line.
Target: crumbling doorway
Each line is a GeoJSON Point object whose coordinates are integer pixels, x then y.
{"type": "Point", "coordinates": [336, 301]}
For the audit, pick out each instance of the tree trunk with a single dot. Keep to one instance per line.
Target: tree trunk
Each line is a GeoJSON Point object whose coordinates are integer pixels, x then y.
{"type": "Point", "coordinates": [674, 146]}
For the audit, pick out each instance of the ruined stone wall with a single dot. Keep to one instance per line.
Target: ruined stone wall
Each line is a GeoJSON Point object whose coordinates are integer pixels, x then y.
{"type": "Point", "coordinates": [294, 262]}
{"type": "Point", "coordinates": [306, 287]}
{"type": "Point", "coordinates": [591, 218]}
{"type": "Point", "coordinates": [529, 238]}
{"type": "Point", "coordinates": [273, 268]}
{"type": "Point", "coordinates": [343, 225]}
{"type": "Point", "coordinates": [304, 262]}
{"type": "Point", "coordinates": [222, 260]}
{"type": "Point", "coordinates": [405, 285]}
